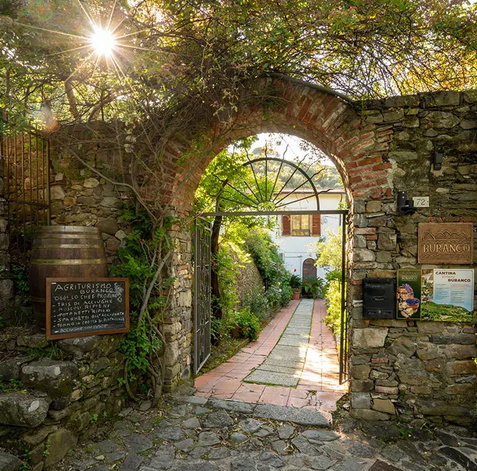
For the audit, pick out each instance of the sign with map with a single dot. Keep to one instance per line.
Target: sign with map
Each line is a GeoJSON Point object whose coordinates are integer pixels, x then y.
{"type": "Point", "coordinates": [446, 243]}
{"type": "Point", "coordinates": [447, 294]}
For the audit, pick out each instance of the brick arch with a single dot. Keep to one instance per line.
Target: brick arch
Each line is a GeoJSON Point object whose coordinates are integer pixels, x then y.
{"type": "Point", "coordinates": [325, 120]}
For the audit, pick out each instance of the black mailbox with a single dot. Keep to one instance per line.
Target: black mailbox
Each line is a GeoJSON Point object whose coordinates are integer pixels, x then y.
{"type": "Point", "coordinates": [379, 298]}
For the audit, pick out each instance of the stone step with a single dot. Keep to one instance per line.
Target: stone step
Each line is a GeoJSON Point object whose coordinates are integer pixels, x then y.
{"type": "Point", "coordinates": [306, 417]}
{"type": "Point", "coordinates": [461, 455]}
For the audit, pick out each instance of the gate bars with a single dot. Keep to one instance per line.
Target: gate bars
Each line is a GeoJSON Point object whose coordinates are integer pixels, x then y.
{"type": "Point", "coordinates": [202, 295]}
{"type": "Point", "coordinates": [26, 171]}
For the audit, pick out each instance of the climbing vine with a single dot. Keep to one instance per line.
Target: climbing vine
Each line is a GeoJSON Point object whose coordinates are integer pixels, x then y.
{"type": "Point", "coordinates": [144, 255]}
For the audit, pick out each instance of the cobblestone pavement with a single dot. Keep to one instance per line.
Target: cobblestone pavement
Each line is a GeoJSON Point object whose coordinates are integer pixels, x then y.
{"type": "Point", "coordinates": [200, 434]}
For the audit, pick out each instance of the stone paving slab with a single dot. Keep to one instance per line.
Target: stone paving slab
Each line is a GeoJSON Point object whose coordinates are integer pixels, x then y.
{"type": "Point", "coordinates": [269, 377]}
{"type": "Point", "coordinates": [285, 362]}
{"type": "Point", "coordinates": [308, 417]}
{"type": "Point", "coordinates": [289, 352]}
{"type": "Point", "coordinates": [280, 369]}
{"type": "Point", "coordinates": [292, 341]}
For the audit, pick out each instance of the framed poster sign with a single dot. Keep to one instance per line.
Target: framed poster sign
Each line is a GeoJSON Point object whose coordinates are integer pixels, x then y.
{"type": "Point", "coordinates": [447, 295]}
{"type": "Point", "coordinates": [78, 307]}
{"type": "Point", "coordinates": [408, 294]}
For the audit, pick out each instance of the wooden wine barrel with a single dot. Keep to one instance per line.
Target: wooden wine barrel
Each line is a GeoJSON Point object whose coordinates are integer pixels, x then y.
{"type": "Point", "coordinates": [64, 252]}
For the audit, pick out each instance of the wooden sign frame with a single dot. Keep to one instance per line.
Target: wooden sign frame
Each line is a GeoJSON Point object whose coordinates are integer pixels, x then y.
{"type": "Point", "coordinates": [51, 336]}
{"type": "Point", "coordinates": [444, 240]}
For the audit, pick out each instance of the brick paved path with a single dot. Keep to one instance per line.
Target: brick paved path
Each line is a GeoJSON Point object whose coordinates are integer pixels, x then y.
{"type": "Point", "coordinates": [318, 387]}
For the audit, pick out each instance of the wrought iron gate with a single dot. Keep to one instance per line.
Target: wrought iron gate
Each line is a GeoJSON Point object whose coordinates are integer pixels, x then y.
{"type": "Point", "coordinates": [202, 294]}
{"type": "Point", "coordinates": [267, 193]}
{"type": "Point", "coordinates": [344, 330]}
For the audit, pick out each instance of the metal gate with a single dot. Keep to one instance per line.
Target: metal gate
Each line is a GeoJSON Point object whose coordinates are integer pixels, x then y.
{"type": "Point", "coordinates": [202, 294]}
{"type": "Point", "coordinates": [344, 325]}
{"type": "Point", "coordinates": [264, 195]}
{"type": "Point", "coordinates": [25, 161]}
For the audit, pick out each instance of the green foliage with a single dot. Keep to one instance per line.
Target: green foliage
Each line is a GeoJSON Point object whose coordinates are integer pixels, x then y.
{"type": "Point", "coordinates": [248, 324]}
{"type": "Point", "coordinates": [20, 278]}
{"type": "Point", "coordinates": [207, 50]}
{"type": "Point", "coordinates": [215, 330]}
{"type": "Point", "coordinates": [141, 252]}
{"type": "Point", "coordinates": [333, 305]}
{"type": "Point", "coordinates": [328, 250]}
{"type": "Point", "coordinates": [329, 256]}
{"type": "Point", "coordinates": [49, 349]}
{"type": "Point", "coordinates": [315, 286]}
{"type": "Point", "coordinates": [271, 267]}
{"type": "Point", "coordinates": [227, 270]}
{"type": "Point", "coordinates": [257, 303]}
{"type": "Point", "coordinates": [10, 386]}
{"type": "Point", "coordinates": [138, 346]}
{"type": "Point", "coordinates": [295, 282]}
{"type": "Point", "coordinates": [93, 418]}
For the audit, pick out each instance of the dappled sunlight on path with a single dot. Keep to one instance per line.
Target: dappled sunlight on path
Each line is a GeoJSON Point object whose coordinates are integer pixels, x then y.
{"type": "Point", "coordinates": [318, 388]}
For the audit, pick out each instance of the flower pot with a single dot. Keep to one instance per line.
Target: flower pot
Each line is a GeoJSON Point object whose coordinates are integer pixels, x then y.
{"type": "Point", "coordinates": [296, 294]}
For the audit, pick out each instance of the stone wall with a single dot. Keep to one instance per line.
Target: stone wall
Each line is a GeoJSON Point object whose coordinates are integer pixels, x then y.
{"type": "Point", "coordinates": [411, 369]}
{"type": "Point", "coordinates": [177, 325]}
{"type": "Point", "coordinates": [50, 405]}
{"type": "Point", "coordinates": [83, 198]}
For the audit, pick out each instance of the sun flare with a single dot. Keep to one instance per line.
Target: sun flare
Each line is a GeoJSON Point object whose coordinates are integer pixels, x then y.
{"type": "Point", "coordinates": [103, 42]}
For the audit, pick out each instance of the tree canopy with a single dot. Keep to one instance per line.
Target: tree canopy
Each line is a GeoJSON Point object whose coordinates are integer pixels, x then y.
{"type": "Point", "coordinates": [179, 59]}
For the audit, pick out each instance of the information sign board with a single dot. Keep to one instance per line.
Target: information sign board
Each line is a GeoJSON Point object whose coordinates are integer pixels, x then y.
{"type": "Point", "coordinates": [78, 307]}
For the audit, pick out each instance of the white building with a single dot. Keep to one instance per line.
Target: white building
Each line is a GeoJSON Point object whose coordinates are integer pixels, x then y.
{"type": "Point", "coordinates": [296, 233]}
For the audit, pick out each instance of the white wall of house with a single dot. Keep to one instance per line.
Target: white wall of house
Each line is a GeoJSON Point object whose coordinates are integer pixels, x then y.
{"type": "Point", "coordinates": [296, 249]}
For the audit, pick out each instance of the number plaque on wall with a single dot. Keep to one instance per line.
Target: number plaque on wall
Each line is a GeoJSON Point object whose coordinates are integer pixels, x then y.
{"type": "Point", "coordinates": [449, 243]}
{"type": "Point", "coordinates": [78, 307]}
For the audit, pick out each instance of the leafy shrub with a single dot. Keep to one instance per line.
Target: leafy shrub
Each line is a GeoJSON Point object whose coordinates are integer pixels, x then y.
{"type": "Point", "coordinates": [257, 303]}
{"type": "Point", "coordinates": [271, 267]}
{"type": "Point", "coordinates": [215, 330]}
{"type": "Point", "coordinates": [227, 273]}
{"type": "Point", "coordinates": [295, 282]}
{"type": "Point", "coordinates": [248, 324]}
{"type": "Point", "coordinates": [315, 286]}
{"type": "Point", "coordinates": [20, 278]}
{"type": "Point", "coordinates": [333, 303]}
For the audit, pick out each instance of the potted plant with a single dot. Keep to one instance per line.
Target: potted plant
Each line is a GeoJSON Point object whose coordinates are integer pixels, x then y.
{"type": "Point", "coordinates": [295, 284]}
{"type": "Point", "coordinates": [314, 287]}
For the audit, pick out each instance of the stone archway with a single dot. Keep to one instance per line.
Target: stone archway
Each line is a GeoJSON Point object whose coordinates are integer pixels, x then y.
{"type": "Point", "coordinates": [329, 122]}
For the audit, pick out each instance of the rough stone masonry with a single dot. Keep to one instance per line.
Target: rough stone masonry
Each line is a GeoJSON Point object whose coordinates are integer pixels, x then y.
{"type": "Point", "coordinates": [405, 369]}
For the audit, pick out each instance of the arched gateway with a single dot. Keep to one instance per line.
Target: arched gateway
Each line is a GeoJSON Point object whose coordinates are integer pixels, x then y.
{"type": "Point", "coordinates": [380, 148]}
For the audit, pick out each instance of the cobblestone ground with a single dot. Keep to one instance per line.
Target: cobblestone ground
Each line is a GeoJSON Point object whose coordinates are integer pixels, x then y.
{"type": "Point", "coordinates": [199, 434]}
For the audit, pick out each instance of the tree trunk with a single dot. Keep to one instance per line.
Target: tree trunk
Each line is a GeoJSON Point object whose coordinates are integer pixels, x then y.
{"type": "Point", "coordinates": [214, 278]}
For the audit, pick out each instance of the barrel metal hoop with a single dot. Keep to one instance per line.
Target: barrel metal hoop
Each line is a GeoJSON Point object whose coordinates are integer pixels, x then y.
{"type": "Point", "coordinates": [37, 299]}
{"type": "Point", "coordinates": [70, 246]}
{"type": "Point", "coordinates": [60, 235]}
{"type": "Point", "coordinates": [91, 261]}
{"type": "Point", "coordinates": [60, 229]}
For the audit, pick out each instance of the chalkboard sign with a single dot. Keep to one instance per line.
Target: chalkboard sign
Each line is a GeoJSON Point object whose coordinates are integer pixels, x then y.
{"type": "Point", "coordinates": [79, 307]}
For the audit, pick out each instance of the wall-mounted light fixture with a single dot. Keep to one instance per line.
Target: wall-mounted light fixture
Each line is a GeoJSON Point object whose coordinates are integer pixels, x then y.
{"type": "Point", "coordinates": [438, 159]}
{"type": "Point", "coordinates": [404, 205]}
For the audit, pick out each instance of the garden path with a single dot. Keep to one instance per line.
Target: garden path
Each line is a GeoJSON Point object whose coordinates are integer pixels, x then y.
{"type": "Point", "coordinates": [318, 386]}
